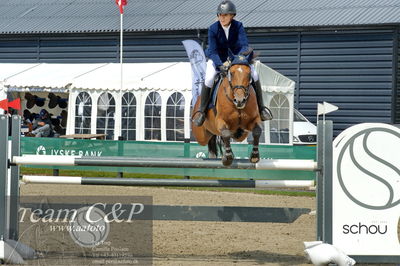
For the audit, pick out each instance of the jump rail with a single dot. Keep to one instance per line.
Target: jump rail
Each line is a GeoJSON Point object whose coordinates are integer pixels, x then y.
{"type": "Point", "coordinates": [75, 180]}
{"type": "Point", "coordinates": [263, 164]}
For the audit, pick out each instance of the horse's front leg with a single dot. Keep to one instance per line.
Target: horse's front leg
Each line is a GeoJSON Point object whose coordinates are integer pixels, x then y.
{"type": "Point", "coordinates": [227, 158]}
{"type": "Point", "coordinates": [255, 154]}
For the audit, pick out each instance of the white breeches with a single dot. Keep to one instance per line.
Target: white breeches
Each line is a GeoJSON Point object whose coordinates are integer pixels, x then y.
{"type": "Point", "coordinates": [211, 72]}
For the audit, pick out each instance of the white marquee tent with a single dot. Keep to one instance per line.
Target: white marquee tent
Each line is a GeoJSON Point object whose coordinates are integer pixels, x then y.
{"type": "Point", "coordinates": [69, 80]}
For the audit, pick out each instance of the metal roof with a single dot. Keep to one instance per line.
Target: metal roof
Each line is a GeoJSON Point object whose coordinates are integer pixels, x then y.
{"type": "Point", "coordinates": [59, 16]}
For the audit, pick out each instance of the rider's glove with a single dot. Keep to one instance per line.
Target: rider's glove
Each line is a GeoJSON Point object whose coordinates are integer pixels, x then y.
{"type": "Point", "coordinates": [224, 69]}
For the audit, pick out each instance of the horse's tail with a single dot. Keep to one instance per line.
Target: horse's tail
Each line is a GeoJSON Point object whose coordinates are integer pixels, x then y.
{"type": "Point", "coordinates": [214, 144]}
{"type": "Point", "coordinates": [219, 144]}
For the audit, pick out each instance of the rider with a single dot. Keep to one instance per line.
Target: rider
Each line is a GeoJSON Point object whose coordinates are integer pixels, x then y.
{"type": "Point", "coordinates": [225, 34]}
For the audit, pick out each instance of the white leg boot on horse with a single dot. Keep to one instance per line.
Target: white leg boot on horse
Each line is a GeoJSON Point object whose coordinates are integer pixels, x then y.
{"type": "Point", "coordinates": [265, 113]}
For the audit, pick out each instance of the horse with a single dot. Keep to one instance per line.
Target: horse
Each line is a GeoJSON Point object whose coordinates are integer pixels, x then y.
{"type": "Point", "coordinates": [235, 115]}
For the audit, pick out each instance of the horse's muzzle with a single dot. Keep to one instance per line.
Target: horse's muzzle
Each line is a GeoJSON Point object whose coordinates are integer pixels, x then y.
{"type": "Point", "coordinates": [239, 104]}
{"type": "Point", "coordinates": [240, 95]}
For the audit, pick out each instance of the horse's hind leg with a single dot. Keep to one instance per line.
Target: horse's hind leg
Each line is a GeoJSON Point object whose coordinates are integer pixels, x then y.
{"type": "Point", "coordinates": [212, 147]}
{"type": "Point", "coordinates": [255, 154]}
{"type": "Point", "coordinates": [227, 158]}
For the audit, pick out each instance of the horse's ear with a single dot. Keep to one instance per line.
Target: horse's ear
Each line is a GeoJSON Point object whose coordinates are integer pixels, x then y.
{"type": "Point", "coordinates": [250, 56]}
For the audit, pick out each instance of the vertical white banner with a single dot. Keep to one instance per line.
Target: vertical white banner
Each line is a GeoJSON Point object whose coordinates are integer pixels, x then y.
{"type": "Point", "coordinates": [366, 190]}
{"type": "Point", "coordinates": [198, 63]}
{"type": "Point", "coordinates": [3, 93]}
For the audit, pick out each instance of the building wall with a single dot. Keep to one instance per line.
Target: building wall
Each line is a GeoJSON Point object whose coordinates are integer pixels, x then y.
{"type": "Point", "coordinates": [93, 48]}
{"type": "Point", "coordinates": [353, 69]}
{"type": "Point", "coordinates": [396, 94]}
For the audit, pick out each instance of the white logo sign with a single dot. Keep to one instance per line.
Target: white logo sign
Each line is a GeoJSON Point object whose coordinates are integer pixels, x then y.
{"type": "Point", "coordinates": [366, 190]}
{"type": "Point", "coordinates": [364, 163]}
{"type": "Point", "coordinates": [41, 150]}
{"type": "Point", "coordinates": [201, 155]}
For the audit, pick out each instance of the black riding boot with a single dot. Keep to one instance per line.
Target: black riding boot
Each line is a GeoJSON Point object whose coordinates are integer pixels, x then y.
{"type": "Point", "coordinates": [205, 99]}
{"type": "Point", "coordinates": [265, 113]}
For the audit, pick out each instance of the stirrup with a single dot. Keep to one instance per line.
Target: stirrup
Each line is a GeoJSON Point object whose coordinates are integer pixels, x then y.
{"type": "Point", "coordinates": [199, 120]}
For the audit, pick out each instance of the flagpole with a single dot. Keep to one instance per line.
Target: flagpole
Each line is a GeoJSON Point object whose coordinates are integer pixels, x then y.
{"type": "Point", "coordinates": [121, 64]}
{"type": "Point", "coordinates": [118, 114]}
{"type": "Point", "coordinates": [121, 48]}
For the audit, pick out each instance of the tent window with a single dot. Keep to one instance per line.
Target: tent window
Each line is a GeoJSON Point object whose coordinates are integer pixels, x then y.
{"type": "Point", "coordinates": [129, 116]}
{"type": "Point", "coordinates": [83, 112]}
{"type": "Point", "coordinates": [279, 126]}
{"type": "Point", "coordinates": [176, 117]}
{"type": "Point", "coordinates": [152, 117]}
{"type": "Point", "coordinates": [105, 115]}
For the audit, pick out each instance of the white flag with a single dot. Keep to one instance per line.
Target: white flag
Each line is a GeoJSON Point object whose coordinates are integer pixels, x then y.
{"type": "Point", "coordinates": [326, 108]}
{"type": "Point", "coordinates": [198, 63]}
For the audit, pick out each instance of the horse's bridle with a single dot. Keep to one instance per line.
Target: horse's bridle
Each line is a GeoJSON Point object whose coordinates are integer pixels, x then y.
{"type": "Point", "coordinates": [233, 88]}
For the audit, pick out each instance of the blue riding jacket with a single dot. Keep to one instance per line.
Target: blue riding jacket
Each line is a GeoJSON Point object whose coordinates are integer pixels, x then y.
{"type": "Point", "coordinates": [218, 45]}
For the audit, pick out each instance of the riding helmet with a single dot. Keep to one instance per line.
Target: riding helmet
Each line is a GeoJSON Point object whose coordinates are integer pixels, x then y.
{"type": "Point", "coordinates": [226, 7]}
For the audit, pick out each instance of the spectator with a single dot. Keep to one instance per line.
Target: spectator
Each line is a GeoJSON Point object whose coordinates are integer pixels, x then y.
{"type": "Point", "coordinates": [42, 126]}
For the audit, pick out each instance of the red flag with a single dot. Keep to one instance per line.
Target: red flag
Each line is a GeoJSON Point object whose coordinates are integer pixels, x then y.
{"type": "Point", "coordinates": [16, 104]}
{"type": "Point", "coordinates": [121, 4]}
{"type": "Point", "coordinates": [4, 104]}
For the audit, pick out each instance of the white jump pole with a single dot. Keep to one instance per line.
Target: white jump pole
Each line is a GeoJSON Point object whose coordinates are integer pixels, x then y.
{"type": "Point", "coordinates": [45, 160]}
{"type": "Point", "coordinates": [263, 164]}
